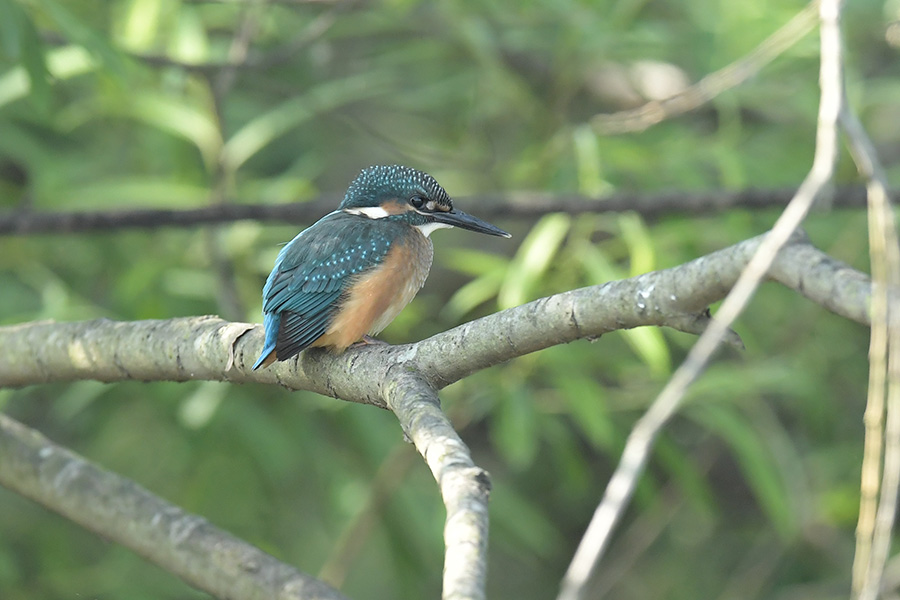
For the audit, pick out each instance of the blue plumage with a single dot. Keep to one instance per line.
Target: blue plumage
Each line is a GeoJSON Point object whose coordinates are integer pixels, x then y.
{"type": "Point", "coordinates": [310, 274]}
{"type": "Point", "coordinates": [353, 270]}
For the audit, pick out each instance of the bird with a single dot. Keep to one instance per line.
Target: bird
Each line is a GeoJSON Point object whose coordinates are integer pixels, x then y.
{"type": "Point", "coordinates": [349, 274]}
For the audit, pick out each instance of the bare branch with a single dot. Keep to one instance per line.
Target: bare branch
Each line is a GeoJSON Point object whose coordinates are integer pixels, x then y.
{"type": "Point", "coordinates": [207, 348]}
{"type": "Point", "coordinates": [508, 205]}
{"type": "Point", "coordinates": [676, 297]}
{"type": "Point", "coordinates": [120, 510]}
{"type": "Point", "coordinates": [639, 119]}
{"type": "Point", "coordinates": [875, 527]}
{"type": "Point", "coordinates": [404, 378]}
{"type": "Point", "coordinates": [637, 448]}
{"type": "Point", "coordinates": [464, 487]}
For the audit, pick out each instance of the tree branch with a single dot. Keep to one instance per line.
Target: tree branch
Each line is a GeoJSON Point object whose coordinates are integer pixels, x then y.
{"type": "Point", "coordinates": [207, 348]}
{"type": "Point", "coordinates": [640, 441]}
{"type": "Point", "coordinates": [513, 205]}
{"type": "Point", "coordinates": [120, 510]}
{"type": "Point", "coordinates": [464, 487]}
{"type": "Point", "coordinates": [875, 527]}
{"type": "Point", "coordinates": [676, 297]}
{"type": "Point", "coordinates": [730, 76]}
{"type": "Point", "coordinates": [405, 378]}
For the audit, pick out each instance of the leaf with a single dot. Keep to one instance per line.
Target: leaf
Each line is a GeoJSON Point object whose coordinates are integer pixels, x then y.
{"type": "Point", "coordinates": [533, 259]}
{"type": "Point", "coordinates": [196, 410]}
{"type": "Point", "coordinates": [140, 24]}
{"type": "Point", "coordinates": [587, 156]}
{"type": "Point", "coordinates": [175, 116]}
{"type": "Point", "coordinates": [522, 523]}
{"type": "Point", "coordinates": [640, 245]}
{"type": "Point", "coordinates": [136, 190]}
{"type": "Point", "coordinates": [649, 344]}
{"type": "Point", "coordinates": [473, 294]}
{"type": "Point", "coordinates": [83, 35]}
{"type": "Point", "coordinates": [489, 271]}
{"type": "Point", "coordinates": [63, 63]}
{"type": "Point", "coordinates": [686, 475]}
{"type": "Point", "coordinates": [20, 39]}
{"type": "Point", "coordinates": [587, 402]}
{"type": "Point", "coordinates": [11, 15]}
{"type": "Point", "coordinates": [514, 427]}
{"type": "Point", "coordinates": [263, 129]}
{"type": "Point", "coordinates": [474, 262]}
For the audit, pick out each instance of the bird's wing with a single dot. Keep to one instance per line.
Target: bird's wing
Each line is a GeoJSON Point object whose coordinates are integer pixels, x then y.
{"type": "Point", "coordinates": [311, 273]}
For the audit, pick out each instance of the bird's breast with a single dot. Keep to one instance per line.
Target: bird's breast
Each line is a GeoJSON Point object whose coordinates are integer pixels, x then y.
{"type": "Point", "coordinates": [375, 297]}
{"type": "Point", "coordinates": [407, 276]}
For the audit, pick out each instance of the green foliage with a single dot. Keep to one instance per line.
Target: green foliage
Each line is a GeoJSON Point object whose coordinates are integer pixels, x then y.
{"type": "Point", "coordinates": [127, 104]}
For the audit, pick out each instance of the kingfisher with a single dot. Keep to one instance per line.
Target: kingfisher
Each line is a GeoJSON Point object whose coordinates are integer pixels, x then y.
{"type": "Point", "coordinates": [348, 275]}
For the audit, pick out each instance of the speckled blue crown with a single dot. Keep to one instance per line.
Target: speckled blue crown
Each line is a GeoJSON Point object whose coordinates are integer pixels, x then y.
{"type": "Point", "coordinates": [380, 182]}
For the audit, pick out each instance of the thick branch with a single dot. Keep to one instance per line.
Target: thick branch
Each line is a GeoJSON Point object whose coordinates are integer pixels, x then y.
{"type": "Point", "coordinates": [207, 348]}
{"type": "Point", "coordinates": [402, 378]}
{"type": "Point", "coordinates": [464, 486]}
{"type": "Point", "coordinates": [120, 510]}
{"type": "Point", "coordinates": [511, 205]}
{"type": "Point", "coordinates": [676, 297]}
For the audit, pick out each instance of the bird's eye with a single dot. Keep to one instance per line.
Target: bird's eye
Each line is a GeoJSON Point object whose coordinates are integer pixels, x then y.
{"type": "Point", "coordinates": [417, 201]}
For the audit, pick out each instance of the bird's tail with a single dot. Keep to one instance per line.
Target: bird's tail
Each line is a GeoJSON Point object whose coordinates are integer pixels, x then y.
{"type": "Point", "coordinates": [271, 323]}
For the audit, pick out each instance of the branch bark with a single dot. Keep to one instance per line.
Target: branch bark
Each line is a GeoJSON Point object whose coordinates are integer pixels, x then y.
{"type": "Point", "coordinates": [404, 379]}
{"type": "Point", "coordinates": [519, 205]}
{"type": "Point", "coordinates": [875, 527]}
{"type": "Point", "coordinates": [208, 348]}
{"type": "Point", "coordinates": [464, 487]}
{"type": "Point", "coordinates": [120, 510]}
{"type": "Point", "coordinates": [640, 441]}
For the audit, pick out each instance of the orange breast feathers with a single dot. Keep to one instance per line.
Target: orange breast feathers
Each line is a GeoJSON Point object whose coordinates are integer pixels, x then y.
{"type": "Point", "coordinates": [377, 296]}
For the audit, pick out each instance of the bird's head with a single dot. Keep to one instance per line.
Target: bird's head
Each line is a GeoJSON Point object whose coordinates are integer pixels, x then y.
{"type": "Point", "coordinates": [405, 194]}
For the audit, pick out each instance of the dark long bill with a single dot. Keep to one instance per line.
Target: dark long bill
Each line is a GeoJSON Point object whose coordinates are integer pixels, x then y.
{"type": "Point", "coordinates": [458, 218]}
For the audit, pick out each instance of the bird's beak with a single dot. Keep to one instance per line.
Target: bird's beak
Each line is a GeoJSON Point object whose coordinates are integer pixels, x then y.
{"type": "Point", "coordinates": [458, 218]}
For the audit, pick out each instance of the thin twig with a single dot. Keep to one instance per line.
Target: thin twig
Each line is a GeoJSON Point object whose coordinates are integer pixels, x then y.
{"type": "Point", "coordinates": [642, 533]}
{"type": "Point", "coordinates": [237, 54]}
{"type": "Point", "coordinates": [712, 85]}
{"type": "Point", "coordinates": [228, 298]}
{"type": "Point", "coordinates": [637, 448]}
{"type": "Point", "coordinates": [512, 205]}
{"type": "Point", "coordinates": [874, 527]}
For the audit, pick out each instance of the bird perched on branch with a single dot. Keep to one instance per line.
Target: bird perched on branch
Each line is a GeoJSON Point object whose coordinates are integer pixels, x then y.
{"type": "Point", "coordinates": [354, 270]}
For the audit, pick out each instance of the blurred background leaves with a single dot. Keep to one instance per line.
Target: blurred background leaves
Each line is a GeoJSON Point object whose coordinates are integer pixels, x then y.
{"type": "Point", "coordinates": [183, 103]}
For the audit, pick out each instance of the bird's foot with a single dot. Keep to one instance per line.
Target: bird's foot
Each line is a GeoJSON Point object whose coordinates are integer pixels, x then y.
{"type": "Point", "coordinates": [368, 340]}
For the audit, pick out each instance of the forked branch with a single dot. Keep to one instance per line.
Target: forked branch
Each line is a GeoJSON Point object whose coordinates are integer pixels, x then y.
{"type": "Point", "coordinates": [403, 378]}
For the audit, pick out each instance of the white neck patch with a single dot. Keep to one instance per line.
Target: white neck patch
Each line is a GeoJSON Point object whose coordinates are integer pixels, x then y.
{"type": "Point", "coordinates": [427, 228]}
{"type": "Point", "coordinates": [373, 212]}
